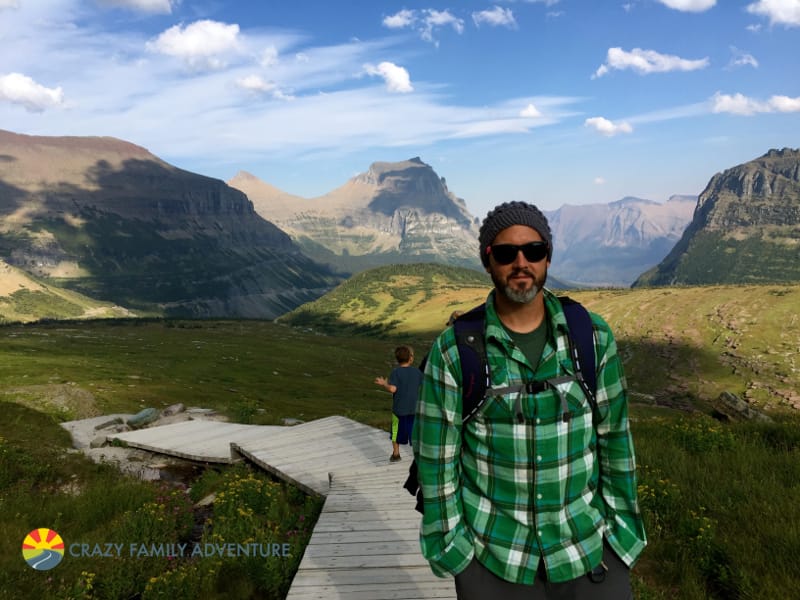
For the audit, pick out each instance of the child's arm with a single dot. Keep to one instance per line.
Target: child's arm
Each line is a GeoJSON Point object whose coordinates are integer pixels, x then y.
{"type": "Point", "coordinates": [384, 383]}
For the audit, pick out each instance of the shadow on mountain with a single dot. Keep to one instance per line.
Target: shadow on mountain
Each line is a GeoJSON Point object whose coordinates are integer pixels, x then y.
{"type": "Point", "coordinates": [147, 234]}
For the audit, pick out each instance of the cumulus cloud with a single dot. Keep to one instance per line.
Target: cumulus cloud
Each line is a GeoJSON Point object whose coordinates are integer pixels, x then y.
{"type": "Point", "coordinates": [647, 61]}
{"type": "Point", "coordinates": [689, 5]}
{"type": "Point", "coordinates": [405, 18]}
{"type": "Point", "coordinates": [530, 112]}
{"type": "Point", "coordinates": [607, 127]}
{"type": "Point", "coordinates": [779, 12]}
{"type": "Point", "coordinates": [9, 4]}
{"type": "Point", "coordinates": [739, 104]}
{"type": "Point", "coordinates": [145, 6]}
{"type": "Point", "coordinates": [200, 44]}
{"type": "Point", "coordinates": [425, 21]}
{"type": "Point", "coordinates": [21, 89]}
{"type": "Point", "coordinates": [396, 78]}
{"type": "Point", "coordinates": [497, 17]}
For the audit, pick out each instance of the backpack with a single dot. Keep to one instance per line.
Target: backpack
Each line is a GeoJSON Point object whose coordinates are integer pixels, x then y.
{"type": "Point", "coordinates": [475, 377]}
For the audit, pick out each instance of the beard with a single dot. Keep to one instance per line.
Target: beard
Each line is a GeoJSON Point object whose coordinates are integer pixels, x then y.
{"type": "Point", "coordinates": [516, 294]}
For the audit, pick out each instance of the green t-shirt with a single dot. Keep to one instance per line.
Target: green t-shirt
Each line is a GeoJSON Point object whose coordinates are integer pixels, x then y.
{"type": "Point", "coordinates": [532, 343]}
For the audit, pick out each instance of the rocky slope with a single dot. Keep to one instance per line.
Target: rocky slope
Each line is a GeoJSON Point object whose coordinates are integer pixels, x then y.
{"type": "Point", "coordinates": [746, 228]}
{"type": "Point", "coordinates": [110, 220]}
{"type": "Point", "coordinates": [394, 213]}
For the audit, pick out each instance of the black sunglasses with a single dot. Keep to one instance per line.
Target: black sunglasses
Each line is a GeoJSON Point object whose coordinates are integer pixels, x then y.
{"type": "Point", "coordinates": [505, 254]}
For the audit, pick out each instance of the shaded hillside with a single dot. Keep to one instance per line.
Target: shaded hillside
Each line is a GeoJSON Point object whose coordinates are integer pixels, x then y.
{"type": "Point", "coordinates": [684, 346]}
{"type": "Point", "coordinates": [109, 220]}
{"type": "Point", "coordinates": [394, 213]}
{"type": "Point", "coordinates": [394, 300]}
{"type": "Point", "coordinates": [398, 300]}
{"type": "Point", "coordinates": [746, 228]}
{"type": "Point", "coordinates": [681, 347]}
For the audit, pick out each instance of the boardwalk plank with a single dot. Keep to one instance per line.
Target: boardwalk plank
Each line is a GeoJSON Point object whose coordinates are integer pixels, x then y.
{"type": "Point", "coordinates": [365, 544]}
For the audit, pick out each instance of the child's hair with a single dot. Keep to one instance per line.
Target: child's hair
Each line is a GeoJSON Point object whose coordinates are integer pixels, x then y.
{"type": "Point", "coordinates": [403, 354]}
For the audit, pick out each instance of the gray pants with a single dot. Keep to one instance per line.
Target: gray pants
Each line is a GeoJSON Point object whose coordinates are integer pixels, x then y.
{"type": "Point", "coordinates": [477, 582]}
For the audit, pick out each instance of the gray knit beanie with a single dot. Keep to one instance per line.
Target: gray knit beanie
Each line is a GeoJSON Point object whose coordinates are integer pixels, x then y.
{"type": "Point", "coordinates": [508, 214]}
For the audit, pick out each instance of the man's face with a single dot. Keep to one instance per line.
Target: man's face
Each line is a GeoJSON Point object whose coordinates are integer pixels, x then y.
{"type": "Point", "coordinates": [521, 280]}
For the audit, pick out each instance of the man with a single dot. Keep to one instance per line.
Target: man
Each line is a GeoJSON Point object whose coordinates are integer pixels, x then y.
{"type": "Point", "coordinates": [535, 497]}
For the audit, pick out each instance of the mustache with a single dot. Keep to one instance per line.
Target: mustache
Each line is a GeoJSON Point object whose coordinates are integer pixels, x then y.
{"type": "Point", "coordinates": [521, 271]}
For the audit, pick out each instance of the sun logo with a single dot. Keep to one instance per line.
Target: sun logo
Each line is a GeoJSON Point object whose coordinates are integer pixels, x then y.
{"type": "Point", "coordinates": [43, 549]}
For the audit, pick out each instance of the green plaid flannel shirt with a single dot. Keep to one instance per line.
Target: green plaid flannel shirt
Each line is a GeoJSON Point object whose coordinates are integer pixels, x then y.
{"type": "Point", "coordinates": [513, 493]}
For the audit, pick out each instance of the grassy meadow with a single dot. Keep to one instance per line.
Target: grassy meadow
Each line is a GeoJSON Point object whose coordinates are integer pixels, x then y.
{"type": "Point", "coordinates": [719, 498]}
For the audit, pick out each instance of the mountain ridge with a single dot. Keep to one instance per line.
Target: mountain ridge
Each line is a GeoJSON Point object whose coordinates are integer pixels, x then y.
{"type": "Point", "coordinates": [108, 219]}
{"type": "Point", "coordinates": [746, 227]}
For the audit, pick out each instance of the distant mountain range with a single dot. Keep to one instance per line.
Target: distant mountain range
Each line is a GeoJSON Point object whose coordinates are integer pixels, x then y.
{"type": "Point", "coordinates": [403, 212]}
{"type": "Point", "coordinates": [117, 229]}
{"type": "Point", "coordinates": [746, 228]}
{"type": "Point", "coordinates": [611, 244]}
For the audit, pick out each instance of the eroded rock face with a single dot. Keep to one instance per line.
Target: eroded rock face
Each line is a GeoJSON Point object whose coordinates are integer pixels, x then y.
{"type": "Point", "coordinates": [394, 212]}
{"type": "Point", "coordinates": [110, 220]}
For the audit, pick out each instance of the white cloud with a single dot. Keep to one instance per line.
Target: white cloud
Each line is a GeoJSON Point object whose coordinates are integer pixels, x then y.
{"type": "Point", "coordinates": [257, 84]}
{"type": "Point", "coordinates": [405, 18]}
{"type": "Point", "coordinates": [146, 6]}
{"type": "Point", "coordinates": [785, 103]}
{"type": "Point", "coordinates": [530, 112]}
{"type": "Point", "coordinates": [779, 12]}
{"type": "Point", "coordinates": [396, 78]}
{"type": "Point", "coordinates": [647, 61]}
{"type": "Point", "coordinates": [269, 57]}
{"type": "Point", "coordinates": [199, 44]}
{"type": "Point", "coordinates": [426, 21]}
{"type": "Point", "coordinates": [742, 59]}
{"type": "Point", "coordinates": [21, 89]}
{"type": "Point", "coordinates": [9, 4]}
{"type": "Point", "coordinates": [497, 17]}
{"type": "Point", "coordinates": [739, 104]}
{"type": "Point", "coordinates": [606, 127]}
{"type": "Point", "coordinates": [599, 181]}
{"type": "Point", "coordinates": [689, 5]}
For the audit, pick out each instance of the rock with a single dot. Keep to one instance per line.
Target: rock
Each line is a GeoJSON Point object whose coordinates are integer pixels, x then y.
{"type": "Point", "coordinates": [98, 442]}
{"type": "Point", "coordinates": [143, 417]}
{"type": "Point", "coordinates": [291, 421]}
{"type": "Point", "coordinates": [729, 407]}
{"type": "Point", "coordinates": [173, 409]}
{"type": "Point", "coordinates": [109, 423]}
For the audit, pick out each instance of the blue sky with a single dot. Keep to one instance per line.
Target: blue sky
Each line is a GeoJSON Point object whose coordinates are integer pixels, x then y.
{"type": "Point", "coordinates": [548, 101]}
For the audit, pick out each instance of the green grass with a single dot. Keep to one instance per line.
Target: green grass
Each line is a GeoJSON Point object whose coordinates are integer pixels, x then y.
{"type": "Point", "coordinates": [252, 371]}
{"type": "Point", "coordinates": [719, 500]}
{"type": "Point", "coordinates": [720, 504]}
{"type": "Point", "coordinates": [42, 485]}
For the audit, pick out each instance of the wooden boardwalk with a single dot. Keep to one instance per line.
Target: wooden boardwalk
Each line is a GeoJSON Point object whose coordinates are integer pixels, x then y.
{"type": "Point", "coordinates": [365, 545]}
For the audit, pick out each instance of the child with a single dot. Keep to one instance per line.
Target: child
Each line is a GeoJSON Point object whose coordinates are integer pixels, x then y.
{"type": "Point", "coordinates": [404, 383]}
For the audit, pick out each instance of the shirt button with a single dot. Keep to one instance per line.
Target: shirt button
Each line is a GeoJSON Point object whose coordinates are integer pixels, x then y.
{"type": "Point", "coordinates": [538, 496]}
{"type": "Point", "coordinates": [539, 458]}
{"type": "Point", "coordinates": [538, 421]}
{"type": "Point", "coordinates": [539, 533]}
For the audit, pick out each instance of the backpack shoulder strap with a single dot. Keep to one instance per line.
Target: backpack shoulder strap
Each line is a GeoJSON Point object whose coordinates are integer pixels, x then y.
{"type": "Point", "coordinates": [581, 341]}
{"type": "Point", "coordinates": [470, 329]}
